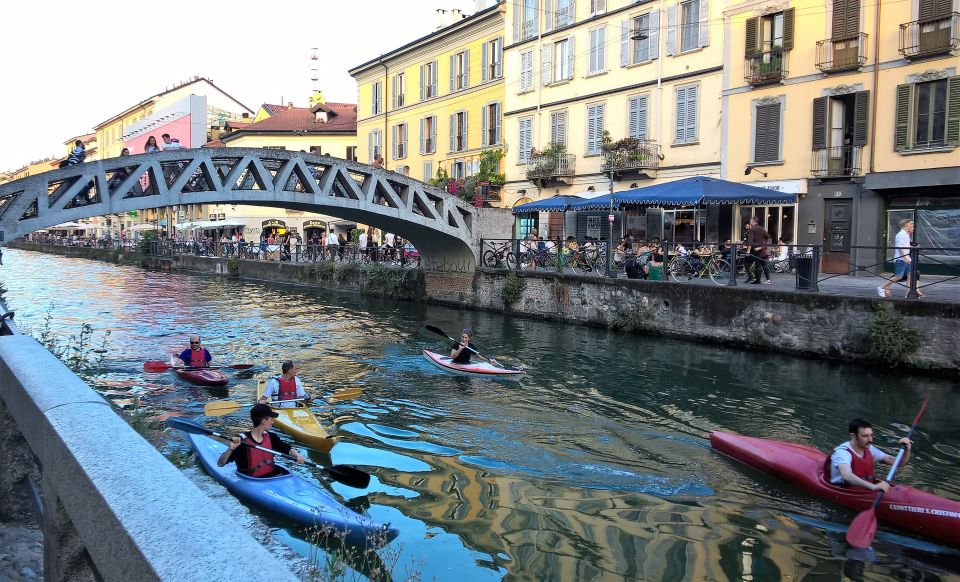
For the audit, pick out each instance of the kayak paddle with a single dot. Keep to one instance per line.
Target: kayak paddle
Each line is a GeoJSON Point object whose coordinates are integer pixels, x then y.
{"type": "Point", "coordinates": [159, 366]}
{"type": "Point", "coordinates": [442, 333]}
{"type": "Point", "coordinates": [225, 407]}
{"type": "Point", "coordinates": [341, 473]}
{"type": "Point", "coordinates": [864, 526]}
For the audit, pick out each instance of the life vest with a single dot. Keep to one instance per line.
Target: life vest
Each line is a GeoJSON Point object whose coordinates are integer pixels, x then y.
{"type": "Point", "coordinates": [287, 389]}
{"type": "Point", "coordinates": [197, 358]}
{"type": "Point", "coordinates": [259, 463]}
{"type": "Point", "coordinates": [862, 466]}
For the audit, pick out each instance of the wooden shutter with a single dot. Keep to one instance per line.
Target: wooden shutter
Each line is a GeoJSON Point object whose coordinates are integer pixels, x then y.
{"type": "Point", "coordinates": [861, 117]}
{"type": "Point", "coordinates": [423, 136]}
{"type": "Point", "coordinates": [453, 73]}
{"type": "Point", "coordinates": [423, 82]}
{"type": "Point", "coordinates": [393, 142]}
{"type": "Point", "coordinates": [433, 133]}
{"type": "Point", "coordinates": [484, 62]}
{"type": "Point", "coordinates": [952, 133]}
{"type": "Point", "coordinates": [751, 43]}
{"type": "Point", "coordinates": [637, 117]}
{"type": "Point", "coordinates": [902, 124]}
{"type": "Point", "coordinates": [434, 74]}
{"type": "Point", "coordinates": [549, 15]}
{"type": "Point", "coordinates": [820, 122]}
{"type": "Point", "coordinates": [935, 9]}
{"type": "Point", "coordinates": [680, 129]}
{"type": "Point", "coordinates": [846, 19]}
{"type": "Point", "coordinates": [427, 170]}
{"type": "Point", "coordinates": [498, 55]}
{"type": "Point", "coordinates": [624, 43]}
{"type": "Point", "coordinates": [671, 29]}
{"type": "Point", "coordinates": [453, 132]}
{"type": "Point", "coordinates": [591, 127]}
{"type": "Point", "coordinates": [653, 26]}
{"type": "Point", "coordinates": [767, 136]}
{"type": "Point", "coordinates": [692, 114]}
{"type": "Point", "coordinates": [393, 92]}
{"type": "Point", "coordinates": [546, 63]}
{"type": "Point", "coordinates": [526, 139]}
{"type": "Point", "coordinates": [526, 70]}
{"type": "Point", "coordinates": [497, 123]}
{"type": "Point", "coordinates": [466, 133]}
{"type": "Point", "coordinates": [788, 29]}
{"type": "Point", "coordinates": [704, 8]}
{"type": "Point", "coordinates": [517, 20]}
{"type": "Point", "coordinates": [570, 58]}
{"type": "Point", "coordinates": [558, 127]}
{"type": "Point", "coordinates": [483, 124]}
{"type": "Point", "coordinates": [466, 68]}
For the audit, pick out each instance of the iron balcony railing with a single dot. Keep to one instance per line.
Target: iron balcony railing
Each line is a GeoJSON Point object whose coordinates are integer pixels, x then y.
{"type": "Point", "coordinates": [636, 155]}
{"type": "Point", "coordinates": [842, 160]}
{"type": "Point", "coordinates": [766, 67]}
{"type": "Point", "coordinates": [841, 54]}
{"type": "Point", "coordinates": [548, 166]}
{"type": "Point", "coordinates": [930, 37]}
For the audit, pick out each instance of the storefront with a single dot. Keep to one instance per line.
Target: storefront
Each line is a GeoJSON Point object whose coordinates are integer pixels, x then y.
{"type": "Point", "coordinates": [273, 227]}
{"type": "Point", "coordinates": [831, 216]}
{"type": "Point", "coordinates": [314, 229]}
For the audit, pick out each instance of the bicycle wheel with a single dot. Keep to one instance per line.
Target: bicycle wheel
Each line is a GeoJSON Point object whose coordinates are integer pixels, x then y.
{"type": "Point", "coordinates": [490, 259]}
{"type": "Point", "coordinates": [681, 270]}
{"type": "Point", "coordinates": [511, 260]}
{"type": "Point", "coordinates": [720, 271]}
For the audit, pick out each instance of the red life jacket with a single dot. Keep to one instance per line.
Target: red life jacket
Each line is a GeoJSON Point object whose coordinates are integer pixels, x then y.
{"type": "Point", "coordinates": [287, 390]}
{"type": "Point", "coordinates": [259, 463]}
{"type": "Point", "coordinates": [198, 358]}
{"type": "Point", "coordinates": [862, 467]}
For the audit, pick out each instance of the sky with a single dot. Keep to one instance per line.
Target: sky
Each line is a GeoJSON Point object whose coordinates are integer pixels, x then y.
{"type": "Point", "coordinates": [72, 65]}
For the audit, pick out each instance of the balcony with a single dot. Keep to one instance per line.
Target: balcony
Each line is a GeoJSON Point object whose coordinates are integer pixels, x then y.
{"type": "Point", "coordinates": [550, 167]}
{"type": "Point", "coordinates": [766, 67]}
{"type": "Point", "coordinates": [922, 38]}
{"type": "Point", "coordinates": [631, 155]}
{"type": "Point", "coordinates": [842, 54]}
{"type": "Point", "coordinates": [837, 161]}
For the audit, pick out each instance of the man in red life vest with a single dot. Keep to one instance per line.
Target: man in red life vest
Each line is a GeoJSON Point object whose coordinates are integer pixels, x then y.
{"type": "Point", "coordinates": [251, 461]}
{"type": "Point", "coordinates": [196, 356]}
{"type": "Point", "coordinates": [282, 389]}
{"type": "Point", "coordinates": [852, 462]}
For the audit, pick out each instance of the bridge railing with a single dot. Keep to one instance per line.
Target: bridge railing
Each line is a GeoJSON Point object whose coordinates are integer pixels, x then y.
{"type": "Point", "coordinates": [406, 257]}
{"type": "Point", "coordinates": [111, 507]}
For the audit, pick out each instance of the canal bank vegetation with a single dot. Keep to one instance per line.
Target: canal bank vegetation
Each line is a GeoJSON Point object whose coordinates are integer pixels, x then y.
{"type": "Point", "coordinates": [513, 288]}
{"type": "Point", "coordinates": [892, 340]}
{"type": "Point", "coordinates": [332, 558]}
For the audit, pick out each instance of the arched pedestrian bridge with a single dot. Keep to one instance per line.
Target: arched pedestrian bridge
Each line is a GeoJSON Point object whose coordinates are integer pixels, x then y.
{"type": "Point", "coordinates": [438, 224]}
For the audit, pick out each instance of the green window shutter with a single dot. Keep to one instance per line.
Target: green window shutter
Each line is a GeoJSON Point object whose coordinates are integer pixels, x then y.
{"type": "Point", "coordinates": [760, 137]}
{"type": "Point", "coordinates": [861, 117]}
{"type": "Point", "coordinates": [751, 43]}
{"type": "Point", "coordinates": [820, 122]}
{"type": "Point", "coordinates": [767, 137]}
{"type": "Point", "coordinates": [788, 29]}
{"type": "Point", "coordinates": [952, 134]}
{"type": "Point", "coordinates": [928, 9]}
{"type": "Point", "coordinates": [901, 136]}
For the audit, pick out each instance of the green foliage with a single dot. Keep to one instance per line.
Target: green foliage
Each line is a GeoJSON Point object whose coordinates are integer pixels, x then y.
{"type": "Point", "coordinates": [332, 558]}
{"type": "Point", "coordinates": [892, 340]}
{"type": "Point", "coordinates": [397, 283]}
{"type": "Point", "coordinates": [546, 161]}
{"type": "Point", "coordinates": [632, 319]}
{"type": "Point", "coordinates": [355, 235]}
{"type": "Point", "coordinates": [233, 267]}
{"type": "Point", "coordinates": [513, 288]}
{"type": "Point", "coordinates": [145, 239]}
{"type": "Point", "coordinates": [76, 352]}
{"type": "Point", "coordinates": [441, 180]}
{"type": "Point", "coordinates": [489, 170]}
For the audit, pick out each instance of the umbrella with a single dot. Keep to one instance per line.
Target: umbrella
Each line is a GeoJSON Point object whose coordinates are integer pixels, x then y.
{"type": "Point", "coordinates": [69, 225]}
{"type": "Point", "coordinates": [145, 226]}
{"type": "Point", "coordinates": [700, 190]}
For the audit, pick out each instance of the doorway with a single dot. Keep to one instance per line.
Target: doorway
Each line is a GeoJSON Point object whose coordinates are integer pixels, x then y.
{"type": "Point", "coordinates": [838, 219]}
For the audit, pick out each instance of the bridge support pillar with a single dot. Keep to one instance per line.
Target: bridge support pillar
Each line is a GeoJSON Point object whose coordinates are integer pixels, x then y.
{"type": "Point", "coordinates": [64, 555]}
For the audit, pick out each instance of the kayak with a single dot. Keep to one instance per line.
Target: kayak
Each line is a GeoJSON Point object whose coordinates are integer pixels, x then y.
{"type": "Point", "coordinates": [293, 497]}
{"type": "Point", "coordinates": [805, 466]}
{"type": "Point", "coordinates": [481, 369]}
{"type": "Point", "coordinates": [202, 376]}
{"type": "Point", "coordinates": [301, 423]}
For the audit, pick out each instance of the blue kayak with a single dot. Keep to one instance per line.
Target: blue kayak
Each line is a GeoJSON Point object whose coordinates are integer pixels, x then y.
{"type": "Point", "coordinates": [293, 497]}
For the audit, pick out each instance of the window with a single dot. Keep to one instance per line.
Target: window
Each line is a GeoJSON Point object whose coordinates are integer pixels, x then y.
{"type": "Point", "coordinates": [598, 50]}
{"type": "Point", "coordinates": [399, 141]}
{"type": "Point", "coordinates": [689, 25]}
{"type": "Point", "coordinates": [686, 130]}
{"type": "Point", "coordinates": [557, 61]}
{"type": "Point", "coordinates": [376, 98]}
{"type": "Point", "coordinates": [558, 127]}
{"type": "Point", "coordinates": [492, 66]}
{"type": "Point", "coordinates": [315, 150]}
{"type": "Point", "coordinates": [594, 128]}
{"type": "Point", "coordinates": [564, 13]}
{"type": "Point", "coordinates": [374, 143]}
{"type": "Point", "coordinates": [926, 116]}
{"type": "Point", "coordinates": [526, 140]}
{"type": "Point", "coordinates": [598, 7]}
{"type": "Point", "coordinates": [526, 71]}
{"type": "Point", "coordinates": [428, 135]}
{"type": "Point", "coordinates": [770, 35]}
{"type": "Point", "coordinates": [398, 88]}
{"type": "Point", "coordinates": [427, 170]}
{"type": "Point", "coordinates": [766, 136]}
{"type": "Point", "coordinates": [639, 39]}
{"type": "Point", "coordinates": [526, 20]}
{"type": "Point", "coordinates": [428, 80]}
{"type": "Point", "coordinates": [352, 153]}
{"type": "Point", "coordinates": [637, 117]}
{"type": "Point", "coordinates": [458, 170]}
{"type": "Point", "coordinates": [458, 131]}
{"type": "Point", "coordinates": [460, 71]}
{"type": "Point", "coordinates": [491, 124]}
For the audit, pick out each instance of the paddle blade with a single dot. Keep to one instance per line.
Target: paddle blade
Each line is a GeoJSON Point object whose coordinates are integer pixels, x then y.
{"type": "Point", "coordinates": [348, 476]}
{"type": "Point", "coordinates": [863, 529]}
{"type": "Point", "coordinates": [155, 366]}
{"type": "Point", "coordinates": [437, 331]}
{"type": "Point", "coordinates": [221, 407]}
{"type": "Point", "coordinates": [344, 394]}
{"type": "Point", "coordinates": [180, 424]}
{"type": "Point", "coordinates": [239, 366]}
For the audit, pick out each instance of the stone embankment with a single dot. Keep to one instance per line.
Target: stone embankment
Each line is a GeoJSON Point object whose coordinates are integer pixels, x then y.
{"type": "Point", "coordinates": [21, 551]}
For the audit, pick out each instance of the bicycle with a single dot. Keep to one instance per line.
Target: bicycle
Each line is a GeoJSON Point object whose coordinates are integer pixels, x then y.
{"type": "Point", "coordinates": [499, 257]}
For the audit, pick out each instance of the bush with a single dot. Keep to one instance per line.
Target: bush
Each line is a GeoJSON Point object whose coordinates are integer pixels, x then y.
{"type": "Point", "coordinates": [892, 340]}
{"type": "Point", "coordinates": [144, 245]}
{"type": "Point", "coordinates": [513, 288]}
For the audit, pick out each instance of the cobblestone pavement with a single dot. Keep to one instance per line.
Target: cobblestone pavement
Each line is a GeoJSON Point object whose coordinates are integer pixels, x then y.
{"type": "Point", "coordinates": [21, 551]}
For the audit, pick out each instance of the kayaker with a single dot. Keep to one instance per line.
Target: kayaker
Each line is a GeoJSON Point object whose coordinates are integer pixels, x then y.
{"type": "Point", "coordinates": [459, 351]}
{"type": "Point", "coordinates": [251, 461]}
{"type": "Point", "coordinates": [286, 386]}
{"type": "Point", "coordinates": [851, 463]}
{"type": "Point", "coordinates": [196, 356]}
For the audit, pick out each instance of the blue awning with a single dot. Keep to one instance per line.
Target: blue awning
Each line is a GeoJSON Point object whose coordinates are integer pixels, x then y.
{"type": "Point", "coordinates": [700, 190]}
{"type": "Point", "coordinates": [598, 203]}
{"type": "Point", "coordinates": [553, 204]}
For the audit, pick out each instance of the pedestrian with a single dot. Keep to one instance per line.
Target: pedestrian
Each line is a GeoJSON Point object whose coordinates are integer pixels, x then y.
{"type": "Point", "coordinates": [254, 462]}
{"type": "Point", "coordinates": [902, 263]}
{"type": "Point", "coordinates": [77, 155]}
{"type": "Point", "coordinates": [170, 143]}
{"type": "Point", "coordinates": [333, 244]}
{"type": "Point", "coordinates": [151, 145]}
{"type": "Point", "coordinates": [756, 242]}
{"type": "Point", "coordinates": [377, 161]}
{"type": "Point", "coordinates": [284, 388]}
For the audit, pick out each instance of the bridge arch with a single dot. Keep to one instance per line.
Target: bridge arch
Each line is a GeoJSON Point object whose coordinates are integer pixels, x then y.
{"type": "Point", "coordinates": [441, 226]}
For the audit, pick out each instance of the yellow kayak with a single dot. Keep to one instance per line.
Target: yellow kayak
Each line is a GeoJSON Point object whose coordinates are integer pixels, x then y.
{"type": "Point", "coordinates": [301, 423]}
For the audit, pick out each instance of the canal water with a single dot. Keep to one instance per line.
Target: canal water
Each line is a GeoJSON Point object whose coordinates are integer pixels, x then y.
{"type": "Point", "coordinates": [596, 465]}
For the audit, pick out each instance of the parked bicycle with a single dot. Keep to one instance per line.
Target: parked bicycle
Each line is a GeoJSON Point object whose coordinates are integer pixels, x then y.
{"type": "Point", "coordinates": [499, 256]}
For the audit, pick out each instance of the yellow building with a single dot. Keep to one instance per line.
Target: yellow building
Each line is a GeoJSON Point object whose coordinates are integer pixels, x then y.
{"type": "Point", "coordinates": [611, 88]}
{"type": "Point", "coordinates": [436, 103]}
{"type": "Point", "coordinates": [856, 106]}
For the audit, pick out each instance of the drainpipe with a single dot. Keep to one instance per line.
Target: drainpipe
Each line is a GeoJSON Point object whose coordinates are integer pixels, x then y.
{"type": "Point", "coordinates": [876, 86]}
{"type": "Point", "coordinates": [383, 95]}
{"type": "Point", "coordinates": [663, 18]}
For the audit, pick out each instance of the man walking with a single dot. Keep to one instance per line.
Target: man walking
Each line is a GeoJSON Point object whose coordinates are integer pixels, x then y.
{"type": "Point", "coordinates": [757, 238]}
{"type": "Point", "coordinates": [902, 263]}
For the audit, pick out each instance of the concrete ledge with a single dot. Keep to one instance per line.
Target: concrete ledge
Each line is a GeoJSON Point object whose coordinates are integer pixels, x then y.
{"type": "Point", "coordinates": [138, 516]}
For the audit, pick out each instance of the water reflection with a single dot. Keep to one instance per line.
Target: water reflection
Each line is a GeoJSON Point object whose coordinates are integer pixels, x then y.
{"type": "Point", "coordinates": [594, 466]}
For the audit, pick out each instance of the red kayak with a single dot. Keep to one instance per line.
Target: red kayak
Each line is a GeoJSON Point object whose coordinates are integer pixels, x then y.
{"type": "Point", "coordinates": [933, 516]}
{"type": "Point", "coordinates": [202, 376]}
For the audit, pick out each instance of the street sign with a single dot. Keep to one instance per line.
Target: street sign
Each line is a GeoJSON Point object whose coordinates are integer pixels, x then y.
{"type": "Point", "coordinates": [610, 218]}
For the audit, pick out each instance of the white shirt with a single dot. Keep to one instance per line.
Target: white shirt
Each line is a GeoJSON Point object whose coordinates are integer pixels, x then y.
{"type": "Point", "coordinates": [173, 145]}
{"type": "Point", "coordinates": [902, 242]}
{"type": "Point", "coordinates": [363, 241]}
{"type": "Point", "coordinates": [332, 240]}
{"type": "Point", "coordinates": [388, 239]}
{"type": "Point", "coordinates": [273, 387]}
{"type": "Point", "coordinates": [842, 456]}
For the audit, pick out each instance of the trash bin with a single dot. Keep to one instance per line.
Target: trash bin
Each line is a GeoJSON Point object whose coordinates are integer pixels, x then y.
{"type": "Point", "coordinates": [805, 271]}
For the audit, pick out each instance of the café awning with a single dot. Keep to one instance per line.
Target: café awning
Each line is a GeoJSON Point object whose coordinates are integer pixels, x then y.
{"type": "Point", "coordinates": [700, 190]}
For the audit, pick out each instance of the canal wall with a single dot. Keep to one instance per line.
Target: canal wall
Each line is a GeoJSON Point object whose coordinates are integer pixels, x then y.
{"type": "Point", "coordinates": [922, 335]}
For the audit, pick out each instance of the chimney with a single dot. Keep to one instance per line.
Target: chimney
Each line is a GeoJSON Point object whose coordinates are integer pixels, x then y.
{"type": "Point", "coordinates": [244, 116]}
{"type": "Point", "coordinates": [480, 5]}
{"type": "Point", "coordinates": [441, 18]}
{"type": "Point", "coordinates": [455, 16]}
